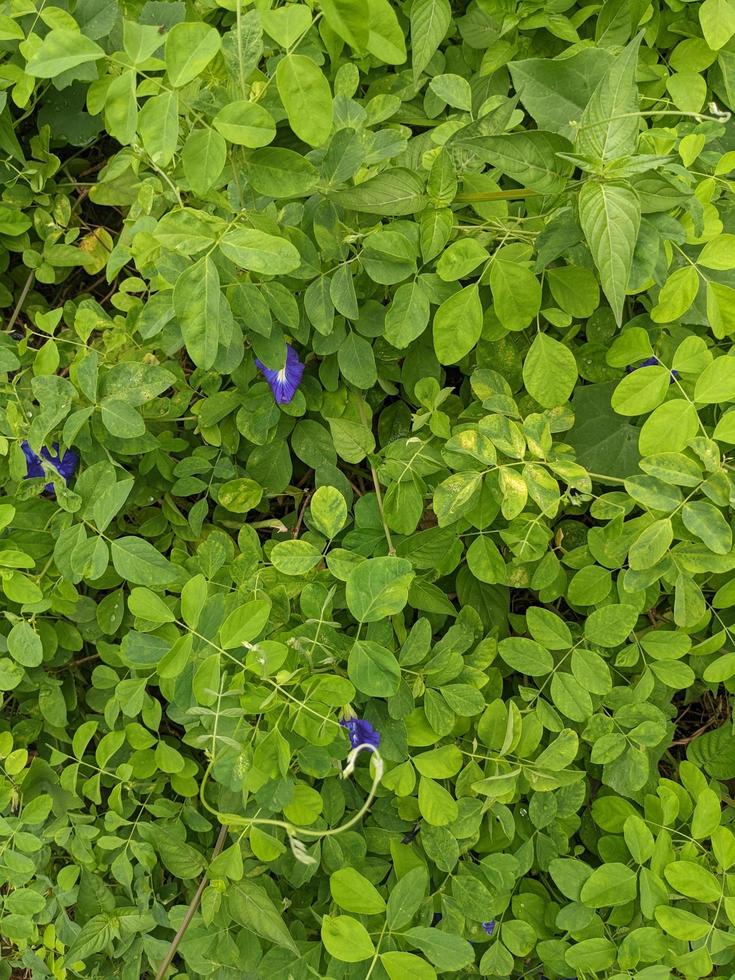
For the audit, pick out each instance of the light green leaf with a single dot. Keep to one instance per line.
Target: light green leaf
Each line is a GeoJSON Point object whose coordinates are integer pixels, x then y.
{"type": "Point", "coordinates": [197, 305]}
{"type": "Point", "coordinates": [346, 939]}
{"type": "Point", "coordinates": [190, 46]}
{"type": "Point", "coordinates": [549, 371]}
{"type": "Point", "coordinates": [608, 127]}
{"type": "Point", "coordinates": [378, 587]}
{"type": "Point", "coordinates": [245, 124]}
{"type": "Point", "coordinates": [610, 216]}
{"type": "Point", "coordinates": [458, 325]}
{"type": "Point", "coordinates": [354, 893]}
{"type": "Point", "coordinates": [61, 50]}
{"type": "Point", "coordinates": [260, 252]}
{"type": "Point", "coordinates": [678, 294]}
{"type": "Point", "coordinates": [306, 97]}
{"type": "Point", "coordinates": [430, 20]}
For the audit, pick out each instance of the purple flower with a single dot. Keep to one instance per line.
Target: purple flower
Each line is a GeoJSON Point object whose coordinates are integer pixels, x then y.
{"type": "Point", "coordinates": [436, 919]}
{"type": "Point", "coordinates": [489, 927]}
{"type": "Point", "coordinates": [285, 382]}
{"type": "Point", "coordinates": [651, 362]}
{"type": "Point", "coordinates": [65, 465]}
{"type": "Point", "coordinates": [361, 732]}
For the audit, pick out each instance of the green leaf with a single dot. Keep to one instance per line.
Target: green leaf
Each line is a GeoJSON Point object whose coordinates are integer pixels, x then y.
{"type": "Point", "coordinates": [120, 419]}
{"type": "Point", "coordinates": [526, 656]}
{"type": "Point", "coordinates": [408, 314]}
{"type": "Point", "coordinates": [436, 804]}
{"type": "Point", "coordinates": [348, 20]}
{"type": "Point", "coordinates": [430, 20]}
{"type": "Point", "coordinates": [148, 605]}
{"type": "Point", "coordinates": [682, 924]}
{"type": "Point", "coordinates": [693, 880]}
{"type": "Point", "coordinates": [354, 893]}
{"type": "Point", "coordinates": [306, 97]}
{"type": "Point", "coordinates": [190, 46]}
{"type": "Point", "coordinates": [678, 294]}
{"type": "Point", "coordinates": [593, 955]}
{"type": "Point", "coordinates": [244, 624]}
{"type": "Point", "coordinates": [458, 325]}
{"type": "Point", "coordinates": [529, 157]}
{"type": "Point", "coordinates": [295, 557]}
{"type": "Point", "coordinates": [328, 511]}
{"type": "Point", "coordinates": [357, 361]}
{"type": "Point", "coordinates": [446, 951]}
{"type": "Point", "coordinates": [24, 645]}
{"type": "Point", "coordinates": [611, 625]}
{"type": "Point", "coordinates": [406, 898]}
{"type": "Point", "coordinates": [373, 669]}
{"type": "Point", "coordinates": [516, 290]}
{"type": "Point", "coordinates": [203, 158]}
{"type": "Point", "coordinates": [385, 37]}
{"type": "Point", "coordinates": [378, 587]}
{"type": "Point", "coordinates": [278, 172]}
{"type": "Point", "coordinates": [61, 50]}
{"type": "Point", "coordinates": [549, 371]}
{"type": "Point", "coordinates": [555, 92]}
{"type": "Point", "coordinates": [651, 545]}
{"type": "Point", "coordinates": [393, 192]}
{"type": "Point", "coordinates": [260, 252]}
{"type": "Point", "coordinates": [158, 125]}
{"type": "Point", "coordinates": [707, 522]}
{"type": "Point", "coordinates": [608, 127]}
{"type": "Point", "coordinates": [642, 390]}
{"type": "Point", "coordinates": [346, 939]}
{"type": "Point", "coordinates": [610, 216]}
{"type": "Point", "coordinates": [717, 18]}
{"type": "Point", "coordinates": [717, 382]}
{"type": "Point", "coordinates": [138, 562]}
{"type": "Point", "coordinates": [400, 965]}
{"type": "Point", "coordinates": [609, 885]}
{"type": "Point", "coordinates": [197, 301]}
{"type": "Point", "coordinates": [250, 905]}
{"type": "Point", "coordinates": [245, 124]}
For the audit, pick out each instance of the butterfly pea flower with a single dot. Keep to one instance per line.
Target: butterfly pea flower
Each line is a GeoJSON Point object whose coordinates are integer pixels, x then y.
{"type": "Point", "coordinates": [361, 732]}
{"type": "Point", "coordinates": [65, 465]}
{"type": "Point", "coordinates": [436, 918]}
{"type": "Point", "coordinates": [284, 383]}
{"type": "Point", "coordinates": [489, 927]}
{"type": "Point", "coordinates": [651, 362]}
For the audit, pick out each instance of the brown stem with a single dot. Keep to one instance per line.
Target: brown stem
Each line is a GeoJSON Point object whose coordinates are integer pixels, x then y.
{"type": "Point", "coordinates": [300, 518]}
{"type": "Point", "coordinates": [21, 300]}
{"type": "Point", "coordinates": [191, 911]}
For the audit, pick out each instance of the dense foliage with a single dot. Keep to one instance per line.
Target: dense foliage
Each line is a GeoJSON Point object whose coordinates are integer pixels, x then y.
{"type": "Point", "coordinates": [488, 531]}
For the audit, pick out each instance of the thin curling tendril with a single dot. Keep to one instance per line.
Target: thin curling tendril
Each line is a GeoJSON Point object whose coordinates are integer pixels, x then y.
{"type": "Point", "coordinates": [294, 832]}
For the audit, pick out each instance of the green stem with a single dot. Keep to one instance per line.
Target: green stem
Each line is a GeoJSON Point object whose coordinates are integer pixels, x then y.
{"type": "Point", "coordinates": [191, 911]}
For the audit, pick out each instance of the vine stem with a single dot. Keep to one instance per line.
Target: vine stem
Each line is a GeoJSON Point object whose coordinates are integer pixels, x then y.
{"type": "Point", "coordinates": [235, 820]}
{"type": "Point", "coordinates": [376, 484]}
{"type": "Point", "coordinates": [21, 300]}
{"type": "Point", "coordinates": [191, 911]}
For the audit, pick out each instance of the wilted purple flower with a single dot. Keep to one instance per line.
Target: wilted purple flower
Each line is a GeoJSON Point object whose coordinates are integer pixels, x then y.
{"type": "Point", "coordinates": [65, 465]}
{"type": "Point", "coordinates": [285, 382]}
{"type": "Point", "coordinates": [650, 362]}
{"type": "Point", "coordinates": [361, 732]}
{"type": "Point", "coordinates": [489, 927]}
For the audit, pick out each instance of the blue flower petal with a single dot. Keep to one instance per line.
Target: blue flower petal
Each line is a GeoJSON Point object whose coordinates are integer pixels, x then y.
{"type": "Point", "coordinates": [650, 362]}
{"type": "Point", "coordinates": [489, 927]}
{"type": "Point", "coordinates": [65, 465]}
{"type": "Point", "coordinates": [361, 732]}
{"type": "Point", "coordinates": [284, 383]}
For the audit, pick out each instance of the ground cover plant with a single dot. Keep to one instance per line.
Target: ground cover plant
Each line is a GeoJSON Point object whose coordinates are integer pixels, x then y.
{"type": "Point", "coordinates": [366, 433]}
